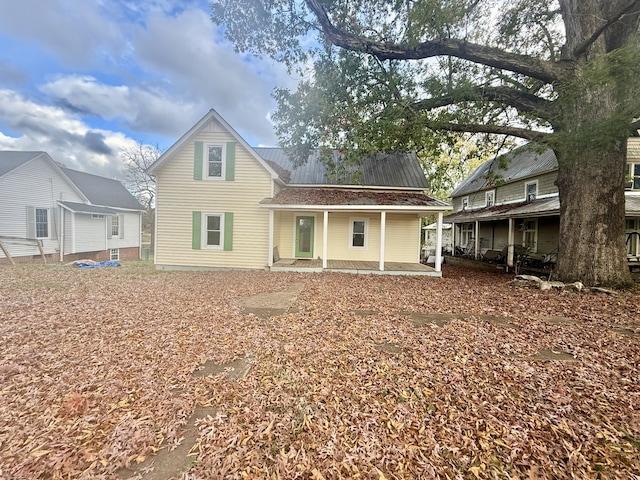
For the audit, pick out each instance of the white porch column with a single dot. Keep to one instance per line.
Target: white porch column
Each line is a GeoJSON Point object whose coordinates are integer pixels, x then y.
{"type": "Point", "coordinates": [271, 228]}
{"type": "Point", "coordinates": [439, 243]}
{"type": "Point", "coordinates": [383, 231]}
{"type": "Point", "coordinates": [477, 242]}
{"type": "Point", "coordinates": [325, 239]}
{"type": "Point", "coordinates": [511, 241]}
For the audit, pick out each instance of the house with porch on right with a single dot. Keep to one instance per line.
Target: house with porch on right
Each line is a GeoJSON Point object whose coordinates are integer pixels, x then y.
{"type": "Point", "coordinates": [507, 210]}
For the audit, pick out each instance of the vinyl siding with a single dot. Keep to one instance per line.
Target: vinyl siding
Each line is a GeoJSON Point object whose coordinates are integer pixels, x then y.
{"type": "Point", "coordinates": [90, 234]}
{"type": "Point", "coordinates": [402, 236]}
{"type": "Point", "coordinates": [131, 232]}
{"type": "Point", "coordinates": [340, 239]}
{"type": "Point", "coordinates": [512, 192]}
{"type": "Point", "coordinates": [38, 184]}
{"type": "Point", "coordinates": [179, 195]}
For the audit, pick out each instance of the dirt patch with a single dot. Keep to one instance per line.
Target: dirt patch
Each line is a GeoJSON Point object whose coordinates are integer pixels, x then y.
{"type": "Point", "coordinates": [556, 320]}
{"type": "Point", "coordinates": [442, 319]}
{"type": "Point", "coordinates": [388, 347]}
{"type": "Point", "coordinates": [173, 463]}
{"type": "Point", "coordinates": [628, 331]}
{"type": "Point", "coordinates": [423, 319]}
{"type": "Point", "coordinates": [235, 370]}
{"type": "Point", "coordinates": [270, 304]}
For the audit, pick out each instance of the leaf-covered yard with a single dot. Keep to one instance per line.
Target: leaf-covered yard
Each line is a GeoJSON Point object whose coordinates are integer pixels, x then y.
{"type": "Point", "coordinates": [368, 377]}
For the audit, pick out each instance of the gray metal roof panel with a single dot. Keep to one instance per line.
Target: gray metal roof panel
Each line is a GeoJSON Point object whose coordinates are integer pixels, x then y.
{"type": "Point", "coordinates": [103, 191]}
{"type": "Point", "coordinates": [523, 162]}
{"type": "Point", "coordinates": [398, 169]}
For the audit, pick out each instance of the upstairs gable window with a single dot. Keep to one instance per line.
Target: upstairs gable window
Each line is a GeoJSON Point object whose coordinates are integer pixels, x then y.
{"type": "Point", "coordinates": [531, 191]}
{"type": "Point", "coordinates": [214, 160]}
{"type": "Point", "coordinates": [465, 203]}
{"type": "Point", "coordinates": [490, 198]}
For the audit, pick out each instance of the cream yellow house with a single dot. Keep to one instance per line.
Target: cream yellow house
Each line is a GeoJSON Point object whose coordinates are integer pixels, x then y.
{"type": "Point", "coordinates": [222, 204]}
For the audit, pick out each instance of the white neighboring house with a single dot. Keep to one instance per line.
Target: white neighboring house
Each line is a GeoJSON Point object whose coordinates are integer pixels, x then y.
{"type": "Point", "coordinates": [431, 237]}
{"type": "Point", "coordinates": [62, 214]}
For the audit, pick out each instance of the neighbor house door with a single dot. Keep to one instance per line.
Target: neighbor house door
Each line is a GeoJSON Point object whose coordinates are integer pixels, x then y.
{"type": "Point", "coordinates": [304, 237]}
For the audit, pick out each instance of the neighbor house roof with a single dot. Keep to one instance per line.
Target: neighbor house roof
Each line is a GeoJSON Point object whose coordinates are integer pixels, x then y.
{"type": "Point", "coordinates": [395, 169]}
{"type": "Point", "coordinates": [539, 207]}
{"type": "Point", "coordinates": [523, 162]}
{"type": "Point", "coordinates": [103, 191]}
{"type": "Point", "coordinates": [10, 160]}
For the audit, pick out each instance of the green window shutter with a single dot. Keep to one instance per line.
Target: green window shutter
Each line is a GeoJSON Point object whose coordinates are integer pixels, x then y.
{"type": "Point", "coordinates": [197, 160]}
{"type": "Point", "coordinates": [228, 231]}
{"type": "Point", "coordinates": [196, 230]}
{"type": "Point", "coordinates": [230, 166]}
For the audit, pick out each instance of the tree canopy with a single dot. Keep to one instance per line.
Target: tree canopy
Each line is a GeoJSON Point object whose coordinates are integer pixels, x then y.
{"type": "Point", "coordinates": [400, 74]}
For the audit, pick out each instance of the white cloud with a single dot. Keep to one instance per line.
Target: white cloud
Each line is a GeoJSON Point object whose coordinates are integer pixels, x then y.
{"type": "Point", "coordinates": [63, 136]}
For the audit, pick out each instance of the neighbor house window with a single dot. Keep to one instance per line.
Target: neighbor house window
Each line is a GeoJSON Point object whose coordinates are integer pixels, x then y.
{"type": "Point", "coordinates": [531, 191]}
{"type": "Point", "coordinates": [633, 180]}
{"type": "Point", "coordinates": [465, 203]}
{"type": "Point", "coordinates": [115, 225]}
{"type": "Point", "coordinates": [490, 198]}
{"type": "Point", "coordinates": [358, 233]}
{"type": "Point", "coordinates": [213, 230]}
{"type": "Point", "coordinates": [214, 155]}
{"type": "Point", "coordinates": [114, 254]}
{"type": "Point", "coordinates": [530, 235]}
{"type": "Point", "coordinates": [466, 234]}
{"type": "Point", "coordinates": [42, 222]}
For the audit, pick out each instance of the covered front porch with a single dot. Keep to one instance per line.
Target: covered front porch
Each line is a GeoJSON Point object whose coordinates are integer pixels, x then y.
{"type": "Point", "coordinates": [350, 230]}
{"type": "Point", "coordinates": [353, 266]}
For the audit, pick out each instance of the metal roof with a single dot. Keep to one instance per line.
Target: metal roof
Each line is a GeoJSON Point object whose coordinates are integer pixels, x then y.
{"type": "Point", "coordinates": [397, 169]}
{"type": "Point", "coordinates": [103, 191]}
{"type": "Point", "coordinates": [539, 207]}
{"type": "Point", "coordinates": [10, 160]}
{"type": "Point", "coordinates": [297, 196]}
{"type": "Point", "coordinates": [523, 162]}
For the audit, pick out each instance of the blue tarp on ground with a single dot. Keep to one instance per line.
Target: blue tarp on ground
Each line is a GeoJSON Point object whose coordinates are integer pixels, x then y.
{"type": "Point", "coordinates": [108, 263]}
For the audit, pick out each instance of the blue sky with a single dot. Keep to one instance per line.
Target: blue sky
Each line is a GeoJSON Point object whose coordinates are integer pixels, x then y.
{"type": "Point", "coordinates": [83, 80]}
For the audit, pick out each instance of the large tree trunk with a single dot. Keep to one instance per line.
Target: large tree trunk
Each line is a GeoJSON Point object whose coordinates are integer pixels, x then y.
{"type": "Point", "coordinates": [592, 210]}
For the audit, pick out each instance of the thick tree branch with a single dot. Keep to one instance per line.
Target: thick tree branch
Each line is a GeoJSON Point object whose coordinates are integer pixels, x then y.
{"type": "Point", "coordinates": [494, 57]}
{"type": "Point", "coordinates": [521, 101]}
{"type": "Point", "coordinates": [525, 133]}
{"type": "Point", "coordinates": [628, 8]}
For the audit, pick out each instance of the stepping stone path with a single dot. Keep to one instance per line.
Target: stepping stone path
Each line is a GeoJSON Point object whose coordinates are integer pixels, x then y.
{"type": "Point", "coordinates": [167, 464]}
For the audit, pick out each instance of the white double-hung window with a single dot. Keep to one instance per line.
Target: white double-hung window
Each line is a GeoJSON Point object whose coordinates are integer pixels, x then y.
{"type": "Point", "coordinates": [358, 233]}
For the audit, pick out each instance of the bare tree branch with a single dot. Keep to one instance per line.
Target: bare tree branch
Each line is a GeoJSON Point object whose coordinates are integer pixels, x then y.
{"type": "Point", "coordinates": [494, 57]}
